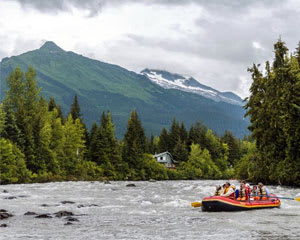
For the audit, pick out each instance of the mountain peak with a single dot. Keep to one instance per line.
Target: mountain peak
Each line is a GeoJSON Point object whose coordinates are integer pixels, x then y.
{"type": "Point", "coordinates": [184, 83]}
{"type": "Point", "coordinates": [51, 46]}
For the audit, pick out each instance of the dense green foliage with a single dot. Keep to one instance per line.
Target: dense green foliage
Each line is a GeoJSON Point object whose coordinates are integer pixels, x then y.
{"type": "Point", "coordinates": [38, 144]}
{"type": "Point", "coordinates": [100, 87]}
{"type": "Point", "coordinates": [274, 110]}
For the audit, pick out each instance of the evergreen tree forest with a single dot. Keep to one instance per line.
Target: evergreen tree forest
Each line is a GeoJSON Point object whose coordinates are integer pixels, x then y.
{"type": "Point", "coordinates": [40, 143]}
{"type": "Point", "coordinates": [274, 111]}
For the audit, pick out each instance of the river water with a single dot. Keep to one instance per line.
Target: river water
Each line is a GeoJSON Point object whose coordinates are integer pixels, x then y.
{"type": "Point", "coordinates": [151, 210]}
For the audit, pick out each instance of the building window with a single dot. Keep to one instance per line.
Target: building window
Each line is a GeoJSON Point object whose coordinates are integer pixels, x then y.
{"type": "Point", "coordinates": [161, 158]}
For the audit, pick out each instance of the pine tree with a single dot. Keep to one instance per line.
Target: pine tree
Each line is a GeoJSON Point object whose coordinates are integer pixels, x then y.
{"type": "Point", "coordinates": [183, 133]}
{"type": "Point", "coordinates": [2, 119]}
{"type": "Point", "coordinates": [197, 135]}
{"type": "Point", "coordinates": [234, 148]}
{"type": "Point", "coordinates": [134, 142]}
{"type": "Point", "coordinates": [163, 143]}
{"type": "Point", "coordinates": [109, 151]}
{"type": "Point", "coordinates": [75, 109]}
{"type": "Point", "coordinates": [11, 131]}
{"type": "Point", "coordinates": [180, 152]}
{"type": "Point", "coordinates": [174, 135]}
{"type": "Point", "coordinates": [22, 97]}
{"type": "Point", "coordinates": [92, 143]}
{"type": "Point", "coordinates": [274, 116]}
{"type": "Point", "coordinates": [51, 104]}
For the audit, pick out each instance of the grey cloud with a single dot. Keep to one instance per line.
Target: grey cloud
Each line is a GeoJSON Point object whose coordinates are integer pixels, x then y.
{"type": "Point", "coordinates": [217, 51]}
{"type": "Point", "coordinates": [95, 5]}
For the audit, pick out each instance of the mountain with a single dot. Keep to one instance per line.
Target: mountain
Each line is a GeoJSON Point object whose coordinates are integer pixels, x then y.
{"type": "Point", "coordinates": [101, 86]}
{"type": "Point", "coordinates": [188, 84]}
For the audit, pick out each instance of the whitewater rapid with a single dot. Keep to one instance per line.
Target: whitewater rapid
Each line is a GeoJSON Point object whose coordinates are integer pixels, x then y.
{"type": "Point", "coordinates": [151, 210]}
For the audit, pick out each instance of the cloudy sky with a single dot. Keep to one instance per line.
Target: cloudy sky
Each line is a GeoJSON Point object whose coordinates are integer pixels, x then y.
{"type": "Point", "coordinates": [214, 41]}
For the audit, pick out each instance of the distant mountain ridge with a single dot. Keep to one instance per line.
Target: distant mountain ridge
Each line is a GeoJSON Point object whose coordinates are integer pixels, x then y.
{"type": "Point", "coordinates": [101, 86]}
{"type": "Point", "coordinates": [169, 80]}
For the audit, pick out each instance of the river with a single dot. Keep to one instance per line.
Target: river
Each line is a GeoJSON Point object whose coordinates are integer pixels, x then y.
{"type": "Point", "coordinates": [151, 210]}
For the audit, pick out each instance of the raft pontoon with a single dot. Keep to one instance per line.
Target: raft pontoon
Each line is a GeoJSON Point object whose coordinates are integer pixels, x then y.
{"type": "Point", "coordinates": [218, 203]}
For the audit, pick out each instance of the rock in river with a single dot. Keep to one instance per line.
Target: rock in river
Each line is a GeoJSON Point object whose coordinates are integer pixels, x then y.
{"type": "Point", "coordinates": [67, 202]}
{"type": "Point", "coordinates": [10, 197]}
{"type": "Point", "coordinates": [63, 214]}
{"type": "Point", "coordinates": [30, 213]}
{"type": "Point", "coordinates": [4, 215]}
{"type": "Point", "coordinates": [43, 216]}
{"type": "Point", "coordinates": [72, 219]}
{"type": "Point", "coordinates": [131, 185]}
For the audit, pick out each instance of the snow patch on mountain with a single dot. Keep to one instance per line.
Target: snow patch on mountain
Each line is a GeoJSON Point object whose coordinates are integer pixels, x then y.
{"type": "Point", "coordinates": [189, 84]}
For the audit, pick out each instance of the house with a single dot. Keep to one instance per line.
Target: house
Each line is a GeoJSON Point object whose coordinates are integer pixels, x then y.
{"type": "Point", "coordinates": [166, 159]}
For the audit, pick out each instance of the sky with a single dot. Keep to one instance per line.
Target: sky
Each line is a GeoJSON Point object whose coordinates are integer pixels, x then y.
{"type": "Point", "coordinates": [214, 41]}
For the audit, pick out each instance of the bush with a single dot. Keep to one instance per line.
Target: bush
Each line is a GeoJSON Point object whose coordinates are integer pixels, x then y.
{"type": "Point", "coordinates": [12, 164]}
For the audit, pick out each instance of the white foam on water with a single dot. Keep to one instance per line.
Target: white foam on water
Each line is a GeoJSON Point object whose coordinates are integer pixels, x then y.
{"type": "Point", "coordinates": [159, 210]}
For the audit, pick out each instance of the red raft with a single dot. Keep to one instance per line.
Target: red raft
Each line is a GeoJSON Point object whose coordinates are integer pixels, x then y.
{"type": "Point", "coordinates": [218, 203]}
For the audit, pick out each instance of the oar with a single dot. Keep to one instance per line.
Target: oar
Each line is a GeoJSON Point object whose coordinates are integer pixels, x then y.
{"type": "Point", "coordinates": [196, 204]}
{"type": "Point", "coordinates": [297, 199]}
{"type": "Point", "coordinates": [288, 198]}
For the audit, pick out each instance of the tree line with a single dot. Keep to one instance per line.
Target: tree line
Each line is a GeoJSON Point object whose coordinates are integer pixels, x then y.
{"type": "Point", "coordinates": [274, 111]}
{"type": "Point", "coordinates": [39, 144]}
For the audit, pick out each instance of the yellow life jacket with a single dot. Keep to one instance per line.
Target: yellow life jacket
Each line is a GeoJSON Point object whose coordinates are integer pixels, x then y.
{"type": "Point", "coordinates": [262, 191]}
{"type": "Point", "coordinates": [242, 192]}
{"type": "Point", "coordinates": [218, 192]}
{"type": "Point", "coordinates": [225, 190]}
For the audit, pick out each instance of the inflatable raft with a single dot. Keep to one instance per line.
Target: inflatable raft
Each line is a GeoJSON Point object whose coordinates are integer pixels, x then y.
{"type": "Point", "coordinates": [218, 203]}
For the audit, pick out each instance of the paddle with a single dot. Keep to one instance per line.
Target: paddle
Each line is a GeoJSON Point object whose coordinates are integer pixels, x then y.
{"type": "Point", "coordinates": [288, 198]}
{"type": "Point", "coordinates": [196, 204]}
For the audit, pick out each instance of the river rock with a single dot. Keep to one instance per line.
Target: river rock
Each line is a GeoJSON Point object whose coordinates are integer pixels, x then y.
{"type": "Point", "coordinates": [30, 213]}
{"type": "Point", "coordinates": [3, 210]}
{"type": "Point", "coordinates": [93, 205]}
{"type": "Point", "coordinates": [4, 215]}
{"type": "Point", "coordinates": [67, 202]}
{"type": "Point", "coordinates": [5, 191]}
{"type": "Point", "coordinates": [131, 185]}
{"type": "Point", "coordinates": [23, 196]}
{"type": "Point", "coordinates": [63, 214]}
{"type": "Point", "coordinates": [4, 225]}
{"type": "Point", "coordinates": [152, 180]}
{"type": "Point", "coordinates": [68, 223]}
{"type": "Point", "coordinates": [43, 216]}
{"type": "Point", "coordinates": [107, 182]}
{"type": "Point", "coordinates": [45, 205]}
{"type": "Point", "coordinates": [10, 197]}
{"type": "Point", "coordinates": [72, 219]}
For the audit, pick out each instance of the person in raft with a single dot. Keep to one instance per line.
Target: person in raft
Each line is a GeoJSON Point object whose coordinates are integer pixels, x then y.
{"type": "Point", "coordinates": [243, 192]}
{"type": "Point", "coordinates": [254, 193]}
{"type": "Point", "coordinates": [228, 190]}
{"type": "Point", "coordinates": [262, 191]}
{"type": "Point", "coordinates": [218, 190]}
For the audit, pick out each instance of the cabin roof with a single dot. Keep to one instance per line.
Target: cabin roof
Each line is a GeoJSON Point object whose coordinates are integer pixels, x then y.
{"type": "Point", "coordinates": [165, 153]}
{"type": "Point", "coordinates": [161, 154]}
